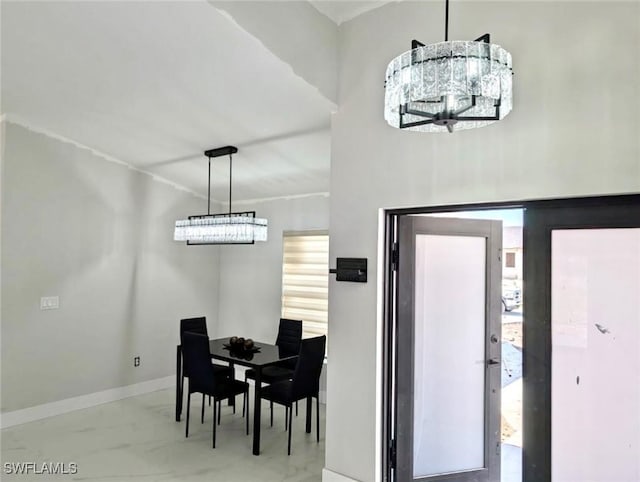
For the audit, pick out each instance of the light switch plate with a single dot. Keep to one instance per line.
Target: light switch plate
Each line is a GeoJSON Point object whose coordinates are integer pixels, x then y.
{"type": "Point", "coordinates": [49, 303]}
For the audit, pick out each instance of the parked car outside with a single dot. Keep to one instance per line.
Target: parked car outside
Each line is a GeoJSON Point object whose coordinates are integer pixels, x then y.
{"type": "Point", "coordinates": [511, 296]}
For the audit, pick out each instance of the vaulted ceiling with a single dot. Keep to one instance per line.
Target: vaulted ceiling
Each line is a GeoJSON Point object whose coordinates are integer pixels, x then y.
{"type": "Point", "coordinates": [343, 10]}
{"type": "Point", "coordinates": [154, 84]}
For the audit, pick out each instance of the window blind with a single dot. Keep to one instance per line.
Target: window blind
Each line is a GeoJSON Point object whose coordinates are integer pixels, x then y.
{"type": "Point", "coordinates": [305, 280]}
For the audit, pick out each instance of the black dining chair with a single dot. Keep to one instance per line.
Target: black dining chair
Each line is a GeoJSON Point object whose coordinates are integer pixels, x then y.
{"type": "Point", "coordinates": [199, 325]}
{"type": "Point", "coordinates": [304, 383]}
{"type": "Point", "coordinates": [204, 379]}
{"type": "Point", "coordinates": [288, 341]}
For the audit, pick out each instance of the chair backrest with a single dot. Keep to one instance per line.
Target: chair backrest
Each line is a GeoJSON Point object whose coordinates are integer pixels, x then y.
{"type": "Point", "coordinates": [306, 377]}
{"type": "Point", "coordinates": [191, 325]}
{"type": "Point", "coordinates": [288, 340]}
{"type": "Point", "coordinates": [196, 325]}
{"type": "Point", "coordinates": [196, 355]}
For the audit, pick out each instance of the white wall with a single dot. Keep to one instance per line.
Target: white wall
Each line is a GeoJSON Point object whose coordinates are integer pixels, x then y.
{"type": "Point", "coordinates": [574, 130]}
{"type": "Point", "coordinates": [100, 236]}
{"type": "Point", "coordinates": [251, 276]}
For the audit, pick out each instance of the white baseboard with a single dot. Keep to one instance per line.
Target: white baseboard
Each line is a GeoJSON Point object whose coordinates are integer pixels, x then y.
{"type": "Point", "coordinates": [331, 476]}
{"type": "Point", "coordinates": [17, 417]}
{"type": "Point", "coordinates": [323, 397]}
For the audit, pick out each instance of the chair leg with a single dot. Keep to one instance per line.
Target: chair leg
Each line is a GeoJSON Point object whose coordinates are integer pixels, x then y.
{"type": "Point", "coordinates": [209, 400]}
{"type": "Point", "coordinates": [233, 377]}
{"type": "Point", "coordinates": [289, 443]}
{"type": "Point", "coordinates": [296, 408]}
{"type": "Point", "coordinates": [214, 421]}
{"type": "Point", "coordinates": [286, 417]}
{"type": "Point", "coordinates": [318, 419]}
{"type": "Point", "coordinates": [271, 407]}
{"type": "Point", "coordinates": [246, 396]}
{"type": "Point", "coordinates": [202, 414]}
{"type": "Point", "coordinates": [186, 434]}
{"type": "Point", "coordinates": [182, 388]}
{"type": "Point", "coordinates": [219, 409]}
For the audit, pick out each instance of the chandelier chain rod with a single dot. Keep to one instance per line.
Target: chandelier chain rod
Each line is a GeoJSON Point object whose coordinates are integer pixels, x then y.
{"type": "Point", "coordinates": [209, 189]}
{"type": "Point", "coordinates": [446, 21]}
{"type": "Point", "coordinates": [230, 177]}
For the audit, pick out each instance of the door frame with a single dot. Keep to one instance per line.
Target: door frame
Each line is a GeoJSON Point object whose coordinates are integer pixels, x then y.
{"type": "Point", "coordinates": [491, 233]}
{"type": "Point", "coordinates": [536, 423]}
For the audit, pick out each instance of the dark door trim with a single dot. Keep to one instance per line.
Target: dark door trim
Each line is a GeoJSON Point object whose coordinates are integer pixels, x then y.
{"type": "Point", "coordinates": [390, 291]}
{"type": "Point", "coordinates": [539, 223]}
{"type": "Point", "coordinates": [617, 200]}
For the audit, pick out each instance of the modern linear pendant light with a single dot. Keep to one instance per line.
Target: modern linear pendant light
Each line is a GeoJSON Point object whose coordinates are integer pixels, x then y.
{"type": "Point", "coordinates": [432, 88]}
{"type": "Point", "coordinates": [228, 228]}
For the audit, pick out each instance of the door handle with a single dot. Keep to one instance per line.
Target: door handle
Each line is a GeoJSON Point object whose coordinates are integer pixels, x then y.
{"type": "Point", "coordinates": [493, 361]}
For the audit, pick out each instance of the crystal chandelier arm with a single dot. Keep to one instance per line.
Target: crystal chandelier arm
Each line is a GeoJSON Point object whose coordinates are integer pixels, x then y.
{"type": "Point", "coordinates": [481, 118]}
{"type": "Point", "coordinates": [415, 124]}
{"type": "Point", "coordinates": [484, 118]}
{"type": "Point", "coordinates": [404, 109]}
{"type": "Point", "coordinates": [404, 125]}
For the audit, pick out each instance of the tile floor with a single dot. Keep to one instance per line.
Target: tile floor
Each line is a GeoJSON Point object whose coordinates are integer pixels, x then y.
{"type": "Point", "coordinates": [138, 439]}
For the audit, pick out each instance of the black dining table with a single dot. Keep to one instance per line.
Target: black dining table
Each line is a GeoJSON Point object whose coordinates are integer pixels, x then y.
{"type": "Point", "coordinates": [265, 355]}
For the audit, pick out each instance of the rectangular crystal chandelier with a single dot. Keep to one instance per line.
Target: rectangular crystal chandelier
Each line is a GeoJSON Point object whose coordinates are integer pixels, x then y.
{"type": "Point", "coordinates": [227, 228]}
{"type": "Point", "coordinates": [233, 228]}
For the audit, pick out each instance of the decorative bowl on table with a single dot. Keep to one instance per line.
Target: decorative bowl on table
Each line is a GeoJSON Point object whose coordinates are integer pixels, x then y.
{"type": "Point", "coordinates": [241, 346]}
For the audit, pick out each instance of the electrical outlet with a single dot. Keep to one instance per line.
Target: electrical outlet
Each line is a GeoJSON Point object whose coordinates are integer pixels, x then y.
{"type": "Point", "coordinates": [49, 303]}
{"type": "Point", "coordinates": [136, 361]}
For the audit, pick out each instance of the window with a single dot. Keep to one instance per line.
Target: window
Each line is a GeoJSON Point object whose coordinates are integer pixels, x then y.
{"type": "Point", "coordinates": [305, 280]}
{"type": "Point", "coordinates": [510, 260]}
